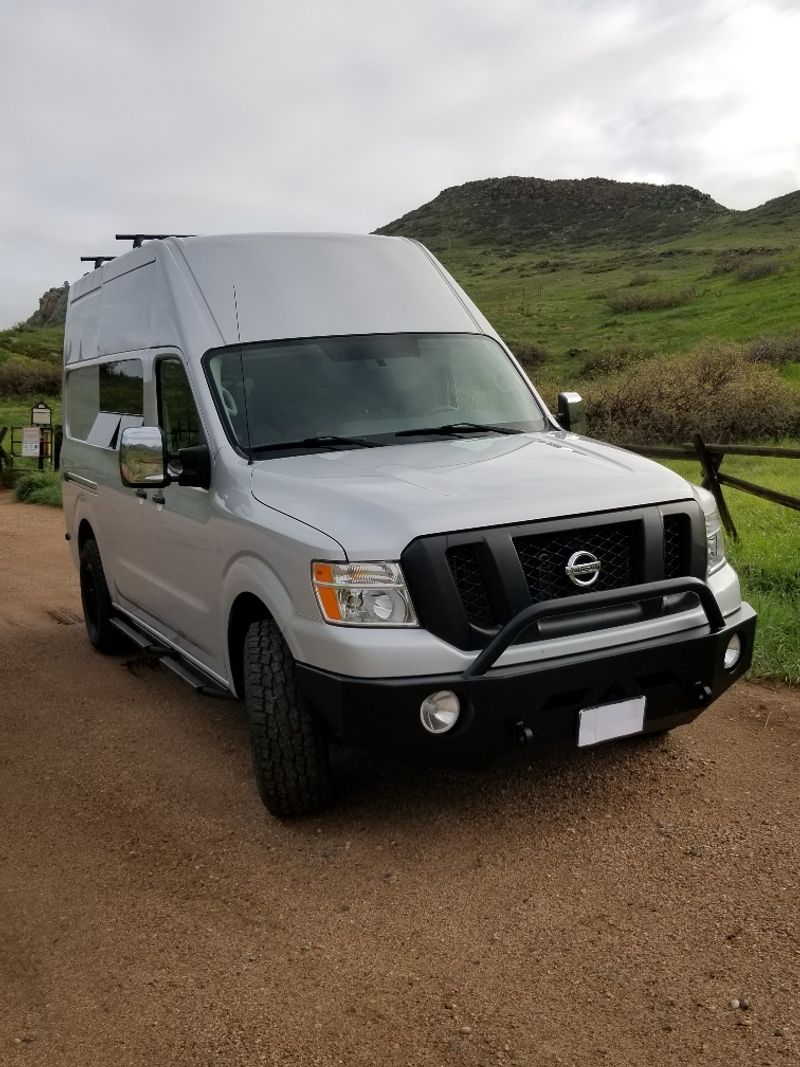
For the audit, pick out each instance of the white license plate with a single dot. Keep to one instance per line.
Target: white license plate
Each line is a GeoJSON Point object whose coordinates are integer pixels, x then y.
{"type": "Point", "coordinates": [606, 721]}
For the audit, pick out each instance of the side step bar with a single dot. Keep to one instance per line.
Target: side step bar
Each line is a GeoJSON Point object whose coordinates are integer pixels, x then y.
{"type": "Point", "coordinates": [152, 648]}
{"type": "Point", "coordinates": [200, 682]}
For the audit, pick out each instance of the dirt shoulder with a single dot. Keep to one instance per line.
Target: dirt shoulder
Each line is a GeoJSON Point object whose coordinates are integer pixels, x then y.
{"type": "Point", "coordinates": [567, 909]}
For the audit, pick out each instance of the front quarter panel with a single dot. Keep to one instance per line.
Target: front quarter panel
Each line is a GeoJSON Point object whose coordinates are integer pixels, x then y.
{"type": "Point", "coordinates": [268, 554]}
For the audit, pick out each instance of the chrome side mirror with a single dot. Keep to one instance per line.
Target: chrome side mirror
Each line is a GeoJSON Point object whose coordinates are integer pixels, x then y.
{"type": "Point", "coordinates": [142, 462]}
{"type": "Point", "coordinates": [571, 414]}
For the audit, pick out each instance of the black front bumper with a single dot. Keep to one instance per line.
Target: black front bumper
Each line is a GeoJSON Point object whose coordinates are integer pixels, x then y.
{"type": "Point", "coordinates": [680, 675]}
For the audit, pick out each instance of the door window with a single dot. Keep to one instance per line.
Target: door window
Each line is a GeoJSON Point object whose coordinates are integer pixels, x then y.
{"type": "Point", "coordinates": [177, 411]}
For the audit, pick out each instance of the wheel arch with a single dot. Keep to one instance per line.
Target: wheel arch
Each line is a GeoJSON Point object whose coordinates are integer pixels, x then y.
{"type": "Point", "coordinates": [85, 533]}
{"type": "Point", "coordinates": [246, 609]}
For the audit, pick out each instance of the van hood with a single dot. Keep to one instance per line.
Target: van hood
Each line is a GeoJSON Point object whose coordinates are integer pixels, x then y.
{"type": "Point", "coordinates": [374, 501]}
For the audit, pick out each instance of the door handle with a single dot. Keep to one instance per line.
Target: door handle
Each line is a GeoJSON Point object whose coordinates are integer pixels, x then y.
{"type": "Point", "coordinates": [159, 498]}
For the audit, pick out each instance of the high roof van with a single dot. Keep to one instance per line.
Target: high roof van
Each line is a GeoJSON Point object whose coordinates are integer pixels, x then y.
{"type": "Point", "coordinates": [305, 471]}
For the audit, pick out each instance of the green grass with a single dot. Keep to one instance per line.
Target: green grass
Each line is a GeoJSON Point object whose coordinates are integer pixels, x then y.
{"type": "Point", "coordinates": [39, 487]}
{"type": "Point", "coordinates": [30, 342]}
{"type": "Point", "coordinates": [566, 310]}
{"type": "Point", "coordinates": [767, 558]}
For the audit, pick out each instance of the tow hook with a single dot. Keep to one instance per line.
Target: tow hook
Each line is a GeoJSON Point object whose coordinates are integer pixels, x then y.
{"type": "Point", "coordinates": [702, 693]}
{"type": "Point", "coordinates": [524, 733]}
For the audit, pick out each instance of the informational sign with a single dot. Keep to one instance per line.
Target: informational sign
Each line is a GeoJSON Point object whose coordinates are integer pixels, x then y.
{"type": "Point", "coordinates": [41, 415]}
{"type": "Point", "coordinates": [30, 441]}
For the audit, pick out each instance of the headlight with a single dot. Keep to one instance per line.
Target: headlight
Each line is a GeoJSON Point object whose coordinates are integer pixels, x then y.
{"type": "Point", "coordinates": [715, 544]}
{"type": "Point", "coordinates": [363, 594]}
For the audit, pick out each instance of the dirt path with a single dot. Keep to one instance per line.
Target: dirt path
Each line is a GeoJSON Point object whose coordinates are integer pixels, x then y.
{"type": "Point", "coordinates": [573, 909]}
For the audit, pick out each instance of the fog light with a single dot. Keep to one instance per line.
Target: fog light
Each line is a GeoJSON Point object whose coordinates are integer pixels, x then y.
{"type": "Point", "coordinates": [732, 653]}
{"type": "Point", "coordinates": [439, 712]}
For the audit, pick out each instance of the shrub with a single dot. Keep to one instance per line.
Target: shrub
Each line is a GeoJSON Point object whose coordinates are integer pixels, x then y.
{"type": "Point", "coordinates": [775, 351]}
{"type": "Point", "coordinates": [39, 487]}
{"type": "Point", "coordinates": [550, 266]}
{"type": "Point", "coordinates": [24, 379]}
{"type": "Point", "coordinates": [728, 263]}
{"type": "Point", "coordinates": [746, 266]}
{"type": "Point", "coordinates": [612, 360]}
{"type": "Point", "coordinates": [758, 268]}
{"type": "Point", "coordinates": [529, 353]}
{"type": "Point", "coordinates": [643, 278]}
{"type": "Point", "coordinates": [658, 300]}
{"type": "Point", "coordinates": [714, 391]}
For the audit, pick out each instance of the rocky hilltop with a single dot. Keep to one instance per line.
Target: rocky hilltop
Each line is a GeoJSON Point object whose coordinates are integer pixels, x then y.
{"type": "Point", "coordinates": [52, 308]}
{"type": "Point", "coordinates": [537, 212]}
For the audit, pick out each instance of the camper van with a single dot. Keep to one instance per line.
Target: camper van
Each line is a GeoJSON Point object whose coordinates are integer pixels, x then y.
{"type": "Point", "coordinates": [304, 471]}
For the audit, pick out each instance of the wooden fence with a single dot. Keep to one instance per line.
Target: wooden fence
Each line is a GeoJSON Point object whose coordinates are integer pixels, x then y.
{"type": "Point", "coordinates": [711, 457]}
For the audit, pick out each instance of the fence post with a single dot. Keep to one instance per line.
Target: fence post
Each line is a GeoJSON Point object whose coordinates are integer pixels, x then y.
{"type": "Point", "coordinates": [58, 438]}
{"type": "Point", "coordinates": [711, 482]}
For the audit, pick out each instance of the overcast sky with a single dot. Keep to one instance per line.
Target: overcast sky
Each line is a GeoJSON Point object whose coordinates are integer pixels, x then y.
{"type": "Point", "coordinates": [211, 117]}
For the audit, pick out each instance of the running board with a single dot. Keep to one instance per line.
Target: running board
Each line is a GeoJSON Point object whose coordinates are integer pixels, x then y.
{"type": "Point", "coordinates": [152, 648]}
{"type": "Point", "coordinates": [196, 679]}
{"type": "Point", "coordinates": [200, 682]}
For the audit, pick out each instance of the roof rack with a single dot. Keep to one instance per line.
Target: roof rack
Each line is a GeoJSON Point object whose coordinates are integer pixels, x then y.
{"type": "Point", "coordinates": [97, 260]}
{"type": "Point", "coordinates": [137, 238]}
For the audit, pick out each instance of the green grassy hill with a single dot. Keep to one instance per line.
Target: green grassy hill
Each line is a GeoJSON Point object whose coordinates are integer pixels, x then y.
{"type": "Point", "coordinates": [581, 267]}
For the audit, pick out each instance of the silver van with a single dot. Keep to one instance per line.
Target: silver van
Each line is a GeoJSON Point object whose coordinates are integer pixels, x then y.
{"type": "Point", "coordinates": [304, 471]}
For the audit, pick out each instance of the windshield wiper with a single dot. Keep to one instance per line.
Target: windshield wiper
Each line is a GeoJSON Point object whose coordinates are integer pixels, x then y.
{"type": "Point", "coordinates": [326, 440]}
{"type": "Point", "coordinates": [455, 428]}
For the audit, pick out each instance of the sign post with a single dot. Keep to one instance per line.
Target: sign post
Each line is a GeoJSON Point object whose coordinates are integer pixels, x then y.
{"type": "Point", "coordinates": [41, 415]}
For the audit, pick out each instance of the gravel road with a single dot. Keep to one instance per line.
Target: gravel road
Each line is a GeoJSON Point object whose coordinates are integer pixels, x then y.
{"type": "Point", "coordinates": [632, 905]}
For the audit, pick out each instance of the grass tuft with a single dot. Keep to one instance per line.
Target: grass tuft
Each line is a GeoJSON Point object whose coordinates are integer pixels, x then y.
{"type": "Point", "coordinates": [39, 487]}
{"type": "Point", "coordinates": [654, 300]}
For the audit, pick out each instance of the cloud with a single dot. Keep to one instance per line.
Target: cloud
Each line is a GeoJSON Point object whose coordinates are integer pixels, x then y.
{"type": "Point", "coordinates": [245, 115]}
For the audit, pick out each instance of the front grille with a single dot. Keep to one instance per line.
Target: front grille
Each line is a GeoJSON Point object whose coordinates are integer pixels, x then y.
{"type": "Point", "coordinates": [465, 567]}
{"type": "Point", "coordinates": [677, 546]}
{"type": "Point", "coordinates": [544, 559]}
{"type": "Point", "coordinates": [467, 583]}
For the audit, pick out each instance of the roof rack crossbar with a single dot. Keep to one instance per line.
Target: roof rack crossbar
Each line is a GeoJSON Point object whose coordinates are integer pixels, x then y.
{"type": "Point", "coordinates": [138, 238]}
{"type": "Point", "coordinates": [97, 260]}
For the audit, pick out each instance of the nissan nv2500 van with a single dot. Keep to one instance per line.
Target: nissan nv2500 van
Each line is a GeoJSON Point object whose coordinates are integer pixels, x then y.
{"type": "Point", "coordinates": [305, 471]}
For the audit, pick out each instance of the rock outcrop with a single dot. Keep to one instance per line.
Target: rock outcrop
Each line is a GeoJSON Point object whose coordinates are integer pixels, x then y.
{"type": "Point", "coordinates": [52, 307]}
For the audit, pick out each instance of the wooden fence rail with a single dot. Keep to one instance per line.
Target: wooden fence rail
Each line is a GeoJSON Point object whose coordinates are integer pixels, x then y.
{"type": "Point", "coordinates": [711, 456]}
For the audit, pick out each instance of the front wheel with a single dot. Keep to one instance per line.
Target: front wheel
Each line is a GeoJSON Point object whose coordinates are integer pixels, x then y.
{"type": "Point", "coordinates": [96, 600]}
{"type": "Point", "coordinates": [290, 750]}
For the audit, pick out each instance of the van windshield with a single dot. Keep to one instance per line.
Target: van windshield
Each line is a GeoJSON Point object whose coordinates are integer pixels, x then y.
{"type": "Point", "coordinates": [309, 394]}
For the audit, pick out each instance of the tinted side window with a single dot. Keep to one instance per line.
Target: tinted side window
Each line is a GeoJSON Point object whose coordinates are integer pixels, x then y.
{"type": "Point", "coordinates": [177, 411]}
{"type": "Point", "coordinates": [121, 387]}
{"type": "Point", "coordinates": [101, 398]}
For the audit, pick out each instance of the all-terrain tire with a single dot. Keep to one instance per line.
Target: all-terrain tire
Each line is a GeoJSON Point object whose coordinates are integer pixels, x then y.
{"type": "Point", "coordinates": [290, 749]}
{"type": "Point", "coordinates": [96, 600]}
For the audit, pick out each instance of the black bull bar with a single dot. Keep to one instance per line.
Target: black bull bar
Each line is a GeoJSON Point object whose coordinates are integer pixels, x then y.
{"type": "Point", "coordinates": [529, 618]}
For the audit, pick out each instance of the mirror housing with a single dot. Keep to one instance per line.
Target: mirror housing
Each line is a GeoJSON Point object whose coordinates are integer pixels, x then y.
{"type": "Point", "coordinates": [571, 414]}
{"type": "Point", "coordinates": [142, 462]}
{"type": "Point", "coordinates": [192, 466]}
